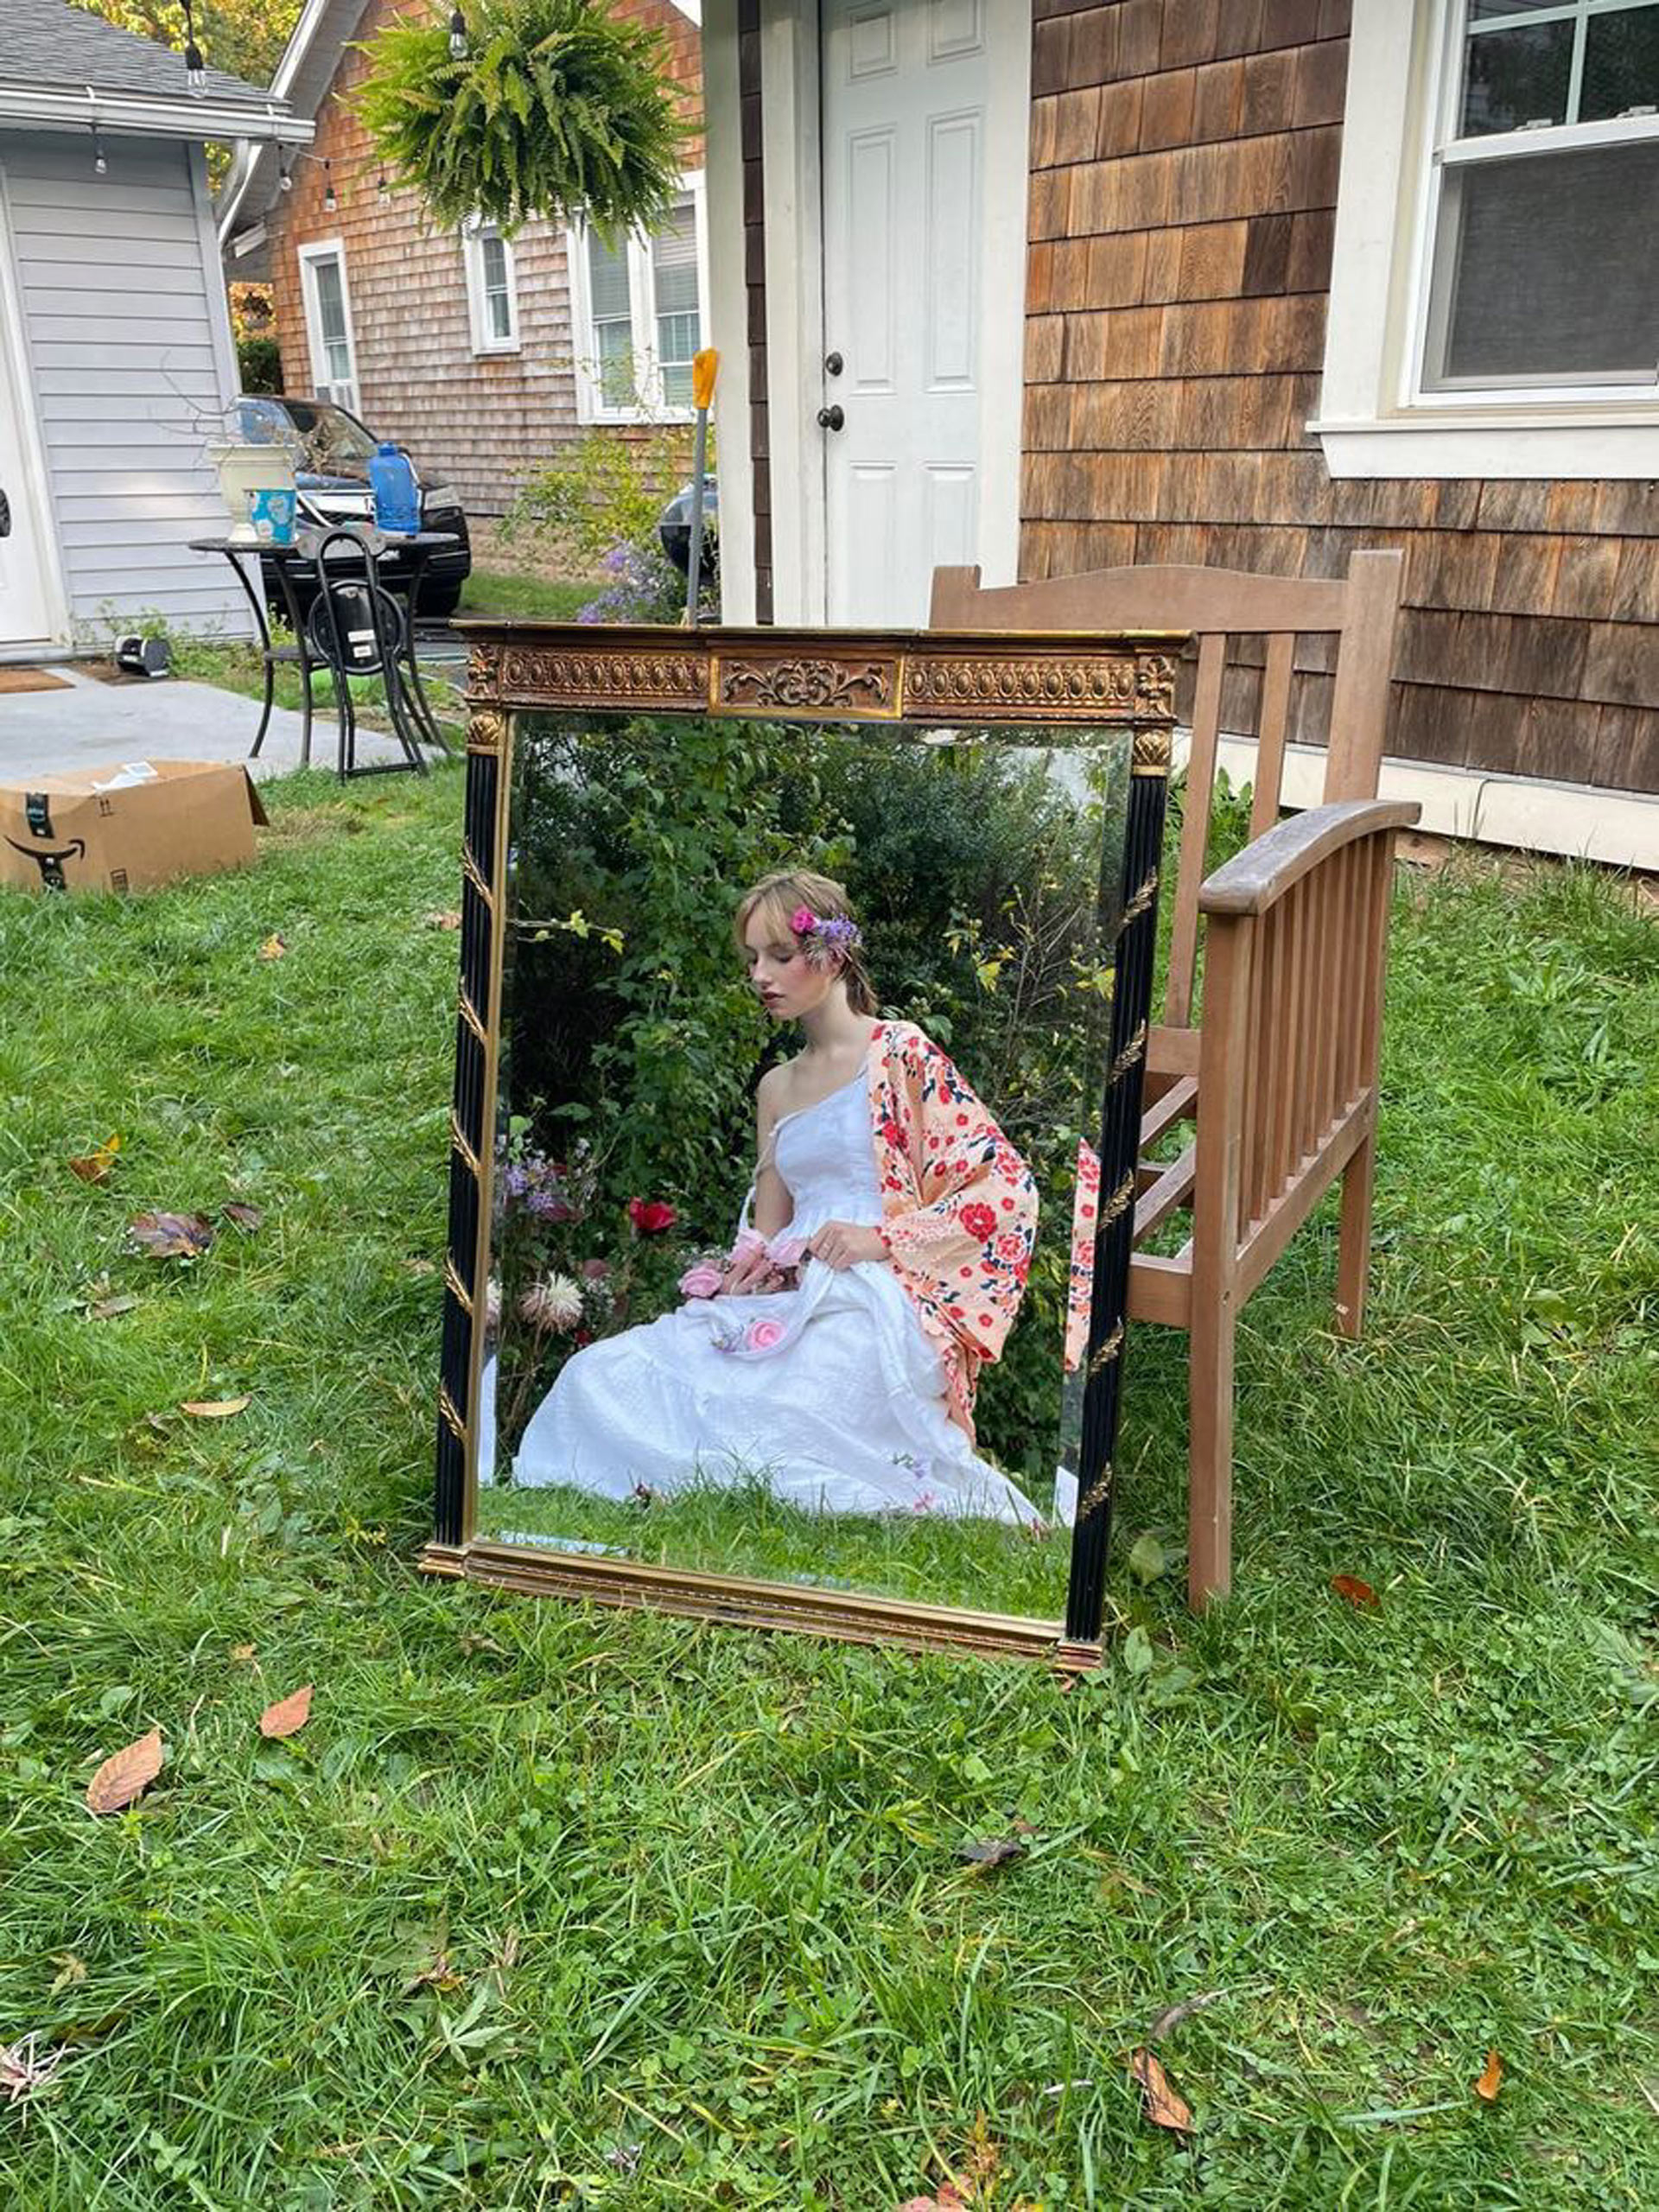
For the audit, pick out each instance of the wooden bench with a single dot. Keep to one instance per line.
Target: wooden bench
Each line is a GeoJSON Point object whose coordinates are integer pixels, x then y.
{"type": "Point", "coordinates": [1278, 1071]}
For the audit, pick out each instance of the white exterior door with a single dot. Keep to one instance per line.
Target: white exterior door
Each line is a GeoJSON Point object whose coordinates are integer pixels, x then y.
{"type": "Point", "coordinates": [907, 89]}
{"type": "Point", "coordinates": [25, 608]}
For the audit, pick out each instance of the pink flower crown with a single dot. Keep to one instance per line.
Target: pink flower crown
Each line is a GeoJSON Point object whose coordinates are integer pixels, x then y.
{"type": "Point", "coordinates": [827, 937]}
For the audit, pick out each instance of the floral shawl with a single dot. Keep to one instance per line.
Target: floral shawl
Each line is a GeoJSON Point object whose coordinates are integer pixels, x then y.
{"type": "Point", "coordinates": [959, 1205]}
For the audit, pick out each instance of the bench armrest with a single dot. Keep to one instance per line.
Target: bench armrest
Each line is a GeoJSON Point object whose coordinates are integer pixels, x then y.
{"type": "Point", "coordinates": [1258, 878]}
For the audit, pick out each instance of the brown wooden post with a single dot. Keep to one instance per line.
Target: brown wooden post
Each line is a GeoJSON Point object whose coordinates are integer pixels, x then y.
{"type": "Point", "coordinates": [1221, 1076]}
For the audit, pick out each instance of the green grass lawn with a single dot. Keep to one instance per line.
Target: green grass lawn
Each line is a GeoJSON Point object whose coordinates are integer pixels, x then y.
{"type": "Point", "coordinates": [550, 1907]}
{"type": "Point", "coordinates": [490, 591]}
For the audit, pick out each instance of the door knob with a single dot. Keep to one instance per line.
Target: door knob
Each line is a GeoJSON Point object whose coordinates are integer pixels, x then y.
{"type": "Point", "coordinates": [831, 418]}
{"type": "Point", "coordinates": [833, 365]}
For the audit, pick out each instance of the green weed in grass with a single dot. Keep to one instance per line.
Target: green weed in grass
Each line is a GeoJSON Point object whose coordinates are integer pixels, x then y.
{"type": "Point", "coordinates": [553, 1907]}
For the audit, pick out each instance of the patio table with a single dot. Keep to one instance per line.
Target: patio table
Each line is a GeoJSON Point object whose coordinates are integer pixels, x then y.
{"type": "Point", "coordinates": [384, 647]}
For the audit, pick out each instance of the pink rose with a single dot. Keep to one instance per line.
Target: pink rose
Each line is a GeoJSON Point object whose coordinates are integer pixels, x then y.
{"type": "Point", "coordinates": [803, 921]}
{"type": "Point", "coordinates": [701, 1282]}
{"type": "Point", "coordinates": [786, 1251]}
{"type": "Point", "coordinates": [763, 1335]}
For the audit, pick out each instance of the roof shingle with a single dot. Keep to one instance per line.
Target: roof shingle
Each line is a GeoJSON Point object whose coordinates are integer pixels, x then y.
{"type": "Point", "coordinates": [47, 42]}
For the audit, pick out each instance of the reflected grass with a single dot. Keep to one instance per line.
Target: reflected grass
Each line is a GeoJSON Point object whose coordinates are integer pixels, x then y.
{"type": "Point", "coordinates": [741, 1527]}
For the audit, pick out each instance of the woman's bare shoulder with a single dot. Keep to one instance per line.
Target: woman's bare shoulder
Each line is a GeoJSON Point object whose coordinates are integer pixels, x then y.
{"type": "Point", "coordinates": [773, 1088]}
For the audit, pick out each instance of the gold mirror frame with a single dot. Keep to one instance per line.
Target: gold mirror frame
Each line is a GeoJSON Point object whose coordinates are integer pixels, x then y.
{"type": "Point", "coordinates": [967, 679]}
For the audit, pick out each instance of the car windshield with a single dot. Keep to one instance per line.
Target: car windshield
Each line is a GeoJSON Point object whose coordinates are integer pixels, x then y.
{"type": "Point", "coordinates": [326, 441]}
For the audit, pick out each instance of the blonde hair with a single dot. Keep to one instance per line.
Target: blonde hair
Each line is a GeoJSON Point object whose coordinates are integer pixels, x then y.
{"type": "Point", "coordinates": [777, 897]}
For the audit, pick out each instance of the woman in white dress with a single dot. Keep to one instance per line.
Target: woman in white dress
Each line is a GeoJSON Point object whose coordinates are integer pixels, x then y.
{"type": "Point", "coordinates": [833, 1359]}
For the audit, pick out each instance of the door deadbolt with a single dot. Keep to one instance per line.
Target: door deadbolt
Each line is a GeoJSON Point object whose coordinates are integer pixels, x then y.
{"type": "Point", "coordinates": [831, 418]}
{"type": "Point", "coordinates": [833, 365]}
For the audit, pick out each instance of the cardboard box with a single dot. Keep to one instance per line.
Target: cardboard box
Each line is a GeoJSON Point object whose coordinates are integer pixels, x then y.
{"type": "Point", "coordinates": [129, 826]}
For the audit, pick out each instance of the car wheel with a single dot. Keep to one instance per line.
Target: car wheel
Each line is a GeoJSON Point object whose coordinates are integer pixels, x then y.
{"type": "Point", "coordinates": [438, 602]}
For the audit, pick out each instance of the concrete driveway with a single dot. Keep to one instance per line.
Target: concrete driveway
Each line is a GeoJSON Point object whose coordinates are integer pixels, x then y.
{"type": "Point", "coordinates": [87, 724]}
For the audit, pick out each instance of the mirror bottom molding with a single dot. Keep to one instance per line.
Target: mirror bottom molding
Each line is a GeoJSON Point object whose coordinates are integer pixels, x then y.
{"type": "Point", "coordinates": [846, 1616]}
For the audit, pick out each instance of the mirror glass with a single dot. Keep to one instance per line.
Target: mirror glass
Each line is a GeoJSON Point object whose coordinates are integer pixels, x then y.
{"type": "Point", "coordinates": [801, 1034]}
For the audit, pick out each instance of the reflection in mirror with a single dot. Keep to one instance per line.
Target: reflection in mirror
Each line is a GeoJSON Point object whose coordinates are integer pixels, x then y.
{"type": "Point", "coordinates": [802, 1037]}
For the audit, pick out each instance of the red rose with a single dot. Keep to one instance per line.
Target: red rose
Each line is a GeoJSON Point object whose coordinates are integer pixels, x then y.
{"type": "Point", "coordinates": [651, 1216]}
{"type": "Point", "coordinates": [978, 1220]}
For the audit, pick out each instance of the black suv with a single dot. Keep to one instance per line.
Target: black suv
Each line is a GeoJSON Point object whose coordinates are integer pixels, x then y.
{"type": "Point", "coordinates": [331, 470]}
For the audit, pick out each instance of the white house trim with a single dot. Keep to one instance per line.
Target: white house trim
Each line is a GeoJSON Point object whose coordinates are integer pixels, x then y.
{"type": "Point", "coordinates": [728, 308]}
{"type": "Point", "coordinates": [792, 165]}
{"type": "Point", "coordinates": [147, 115]}
{"type": "Point", "coordinates": [1372, 419]}
{"type": "Point", "coordinates": [17, 371]}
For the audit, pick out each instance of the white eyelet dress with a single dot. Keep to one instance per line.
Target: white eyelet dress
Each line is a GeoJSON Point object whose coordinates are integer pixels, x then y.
{"type": "Point", "coordinates": [830, 1394]}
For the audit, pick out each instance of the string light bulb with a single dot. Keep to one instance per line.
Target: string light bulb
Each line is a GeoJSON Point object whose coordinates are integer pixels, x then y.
{"type": "Point", "coordinates": [284, 173]}
{"type": "Point", "coordinates": [100, 162]}
{"type": "Point", "coordinates": [382, 187]}
{"type": "Point", "coordinates": [457, 36]}
{"type": "Point", "coordinates": [330, 197]}
{"type": "Point", "coordinates": [195, 70]}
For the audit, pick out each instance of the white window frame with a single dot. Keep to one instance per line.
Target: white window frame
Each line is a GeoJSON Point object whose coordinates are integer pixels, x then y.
{"type": "Point", "coordinates": [651, 407]}
{"type": "Point", "coordinates": [1374, 418]}
{"type": "Point", "coordinates": [485, 341]}
{"type": "Point", "coordinates": [321, 383]}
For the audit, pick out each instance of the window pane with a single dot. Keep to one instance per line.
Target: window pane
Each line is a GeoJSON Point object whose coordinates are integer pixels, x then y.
{"type": "Point", "coordinates": [495, 263]}
{"type": "Point", "coordinates": [674, 262]}
{"type": "Point", "coordinates": [614, 344]}
{"type": "Point", "coordinates": [1539, 267]}
{"type": "Point", "coordinates": [1479, 9]}
{"type": "Point", "coordinates": [1621, 63]}
{"type": "Point", "coordinates": [331, 302]}
{"type": "Point", "coordinates": [676, 384]}
{"type": "Point", "coordinates": [1516, 77]}
{"type": "Point", "coordinates": [608, 281]}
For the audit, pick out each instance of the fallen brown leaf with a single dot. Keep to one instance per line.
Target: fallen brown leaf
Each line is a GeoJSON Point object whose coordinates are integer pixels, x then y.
{"type": "Point", "coordinates": [71, 1970]}
{"type": "Point", "coordinates": [244, 1216]}
{"type": "Point", "coordinates": [1492, 2079]}
{"type": "Point", "coordinates": [171, 1236]}
{"type": "Point", "coordinates": [105, 1309]}
{"type": "Point", "coordinates": [289, 1715]}
{"type": "Point", "coordinates": [94, 1167]}
{"type": "Point", "coordinates": [444, 917]}
{"type": "Point", "coordinates": [215, 1409]}
{"type": "Point", "coordinates": [1160, 2103]}
{"type": "Point", "coordinates": [1357, 1594]}
{"type": "Point", "coordinates": [243, 1651]}
{"type": "Point", "coordinates": [993, 1851]}
{"type": "Point", "coordinates": [273, 948]}
{"type": "Point", "coordinates": [121, 1778]}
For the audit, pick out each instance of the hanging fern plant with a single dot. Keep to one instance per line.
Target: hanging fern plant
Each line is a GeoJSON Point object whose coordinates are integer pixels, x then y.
{"type": "Point", "coordinates": [557, 109]}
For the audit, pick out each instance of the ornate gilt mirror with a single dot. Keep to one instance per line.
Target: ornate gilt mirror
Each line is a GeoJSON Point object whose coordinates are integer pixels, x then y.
{"type": "Point", "coordinates": [804, 991]}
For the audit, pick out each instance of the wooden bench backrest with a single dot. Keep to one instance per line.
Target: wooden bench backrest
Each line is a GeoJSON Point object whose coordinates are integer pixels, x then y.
{"type": "Point", "coordinates": [1217, 605]}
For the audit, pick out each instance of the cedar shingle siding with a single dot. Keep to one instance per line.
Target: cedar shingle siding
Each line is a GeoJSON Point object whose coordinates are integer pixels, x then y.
{"type": "Point", "coordinates": [1184, 160]}
{"type": "Point", "coordinates": [482, 422]}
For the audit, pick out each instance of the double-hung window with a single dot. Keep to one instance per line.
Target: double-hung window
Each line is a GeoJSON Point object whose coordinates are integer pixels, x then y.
{"type": "Point", "coordinates": [1495, 278]}
{"type": "Point", "coordinates": [492, 290]}
{"type": "Point", "coordinates": [1544, 272]}
{"type": "Point", "coordinates": [328, 322]}
{"type": "Point", "coordinates": [639, 315]}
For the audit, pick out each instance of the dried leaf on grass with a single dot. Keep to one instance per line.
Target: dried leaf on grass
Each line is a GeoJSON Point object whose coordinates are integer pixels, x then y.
{"type": "Point", "coordinates": [1492, 2079]}
{"type": "Point", "coordinates": [123, 1778]}
{"type": "Point", "coordinates": [274, 947]}
{"type": "Point", "coordinates": [106, 1309]}
{"type": "Point", "coordinates": [242, 1651]}
{"type": "Point", "coordinates": [23, 2068]}
{"type": "Point", "coordinates": [245, 1217]}
{"type": "Point", "coordinates": [289, 1715]}
{"type": "Point", "coordinates": [215, 1409]}
{"type": "Point", "coordinates": [1359, 1594]}
{"type": "Point", "coordinates": [171, 1236]}
{"type": "Point", "coordinates": [444, 917]}
{"type": "Point", "coordinates": [94, 1167]}
{"type": "Point", "coordinates": [1160, 2103]}
{"type": "Point", "coordinates": [990, 1852]}
{"type": "Point", "coordinates": [71, 1970]}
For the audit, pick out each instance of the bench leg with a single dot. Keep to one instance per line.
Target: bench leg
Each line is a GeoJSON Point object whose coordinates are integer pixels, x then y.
{"type": "Point", "coordinates": [1354, 1238]}
{"type": "Point", "coordinates": [1210, 1452]}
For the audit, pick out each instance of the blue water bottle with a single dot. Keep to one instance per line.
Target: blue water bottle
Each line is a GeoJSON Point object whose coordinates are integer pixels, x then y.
{"type": "Point", "coordinates": [397, 500]}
